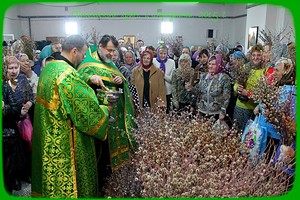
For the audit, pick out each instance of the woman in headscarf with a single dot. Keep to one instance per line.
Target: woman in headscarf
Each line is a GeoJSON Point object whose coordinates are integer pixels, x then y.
{"type": "Point", "coordinates": [126, 69]}
{"type": "Point", "coordinates": [167, 66]}
{"type": "Point", "coordinates": [25, 68]}
{"type": "Point", "coordinates": [183, 74]}
{"type": "Point", "coordinates": [129, 65]}
{"type": "Point", "coordinates": [149, 82]}
{"type": "Point", "coordinates": [284, 77]}
{"type": "Point", "coordinates": [238, 61]}
{"type": "Point", "coordinates": [213, 89]}
{"type": "Point", "coordinates": [116, 58]}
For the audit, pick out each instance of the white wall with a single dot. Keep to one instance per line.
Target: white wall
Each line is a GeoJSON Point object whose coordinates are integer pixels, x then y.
{"type": "Point", "coordinates": [12, 23]}
{"type": "Point", "coordinates": [268, 17]}
{"type": "Point", "coordinates": [256, 16]}
{"type": "Point", "coordinates": [286, 22]}
{"type": "Point", "coordinates": [194, 31]}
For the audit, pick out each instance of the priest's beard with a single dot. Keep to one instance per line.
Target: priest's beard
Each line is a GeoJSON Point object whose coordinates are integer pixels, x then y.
{"type": "Point", "coordinates": [104, 58]}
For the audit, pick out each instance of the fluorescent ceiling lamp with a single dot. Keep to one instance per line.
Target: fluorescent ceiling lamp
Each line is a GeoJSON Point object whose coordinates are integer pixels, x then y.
{"type": "Point", "coordinates": [166, 27]}
{"type": "Point", "coordinates": [71, 28]}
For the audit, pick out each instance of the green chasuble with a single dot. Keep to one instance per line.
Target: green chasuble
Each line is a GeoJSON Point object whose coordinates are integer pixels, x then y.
{"type": "Point", "coordinates": [120, 140]}
{"type": "Point", "coordinates": [67, 119]}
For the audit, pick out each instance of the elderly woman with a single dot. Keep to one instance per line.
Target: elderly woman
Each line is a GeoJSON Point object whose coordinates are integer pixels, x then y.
{"type": "Point", "coordinates": [149, 82]}
{"type": "Point", "coordinates": [17, 100]}
{"type": "Point", "coordinates": [167, 66]}
{"type": "Point", "coordinates": [17, 47]}
{"type": "Point", "coordinates": [129, 65]}
{"type": "Point", "coordinates": [245, 84]}
{"type": "Point", "coordinates": [126, 69]}
{"type": "Point", "coordinates": [238, 61]}
{"type": "Point", "coordinates": [184, 73]}
{"type": "Point", "coordinates": [213, 89]}
{"type": "Point", "coordinates": [202, 66]}
{"type": "Point", "coordinates": [284, 73]}
{"type": "Point", "coordinates": [46, 60]}
{"type": "Point", "coordinates": [26, 69]}
{"type": "Point", "coordinates": [116, 58]}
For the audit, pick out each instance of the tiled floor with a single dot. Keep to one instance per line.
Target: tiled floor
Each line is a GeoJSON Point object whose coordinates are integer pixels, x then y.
{"type": "Point", "coordinates": [24, 192]}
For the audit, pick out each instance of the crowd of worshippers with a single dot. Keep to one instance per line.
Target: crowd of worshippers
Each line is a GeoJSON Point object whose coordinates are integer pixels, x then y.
{"type": "Point", "coordinates": [199, 80]}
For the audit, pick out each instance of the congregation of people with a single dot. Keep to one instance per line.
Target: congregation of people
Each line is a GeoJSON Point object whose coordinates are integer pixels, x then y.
{"type": "Point", "coordinates": [75, 147]}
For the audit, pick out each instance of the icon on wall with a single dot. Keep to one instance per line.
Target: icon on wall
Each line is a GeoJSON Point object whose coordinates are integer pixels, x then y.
{"type": "Point", "coordinates": [129, 41]}
{"type": "Point", "coordinates": [252, 36]}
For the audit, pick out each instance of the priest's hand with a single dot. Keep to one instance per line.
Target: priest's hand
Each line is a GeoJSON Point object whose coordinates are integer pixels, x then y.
{"type": "Point", "coordinates": [95, 79]}
{"type": "Point", "coordinates": [118, 80]}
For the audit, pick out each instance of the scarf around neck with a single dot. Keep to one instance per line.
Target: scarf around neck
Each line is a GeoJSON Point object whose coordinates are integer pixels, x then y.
{"type": "Point", "coordinates": [162, 63]}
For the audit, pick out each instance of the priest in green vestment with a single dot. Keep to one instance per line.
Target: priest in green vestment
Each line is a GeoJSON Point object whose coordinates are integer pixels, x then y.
{"type": "Point", "coordinates": [67, 119]}
{"type": "Point", "coordinates": [120, 143]}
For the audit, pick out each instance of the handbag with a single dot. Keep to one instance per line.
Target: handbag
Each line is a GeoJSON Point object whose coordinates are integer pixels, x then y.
{"type": "Point", "coordinates": [25, 128]}
{"type": "Point", "coordinates": [254, 138]}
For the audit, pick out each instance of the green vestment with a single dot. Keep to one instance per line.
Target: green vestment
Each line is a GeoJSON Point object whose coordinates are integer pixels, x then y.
{"type": "Point", "coordinates": [120, 140]}
{"type": "Point", "coordinates": [67, 119]}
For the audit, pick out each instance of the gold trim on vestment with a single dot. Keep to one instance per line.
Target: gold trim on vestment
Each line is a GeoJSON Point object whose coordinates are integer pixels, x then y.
{"type": "Point", "coordinates": [35, 194]}
{"type": "Point", "coordinates": [120, 150]}
{"type": "Point", "coordinates": [53, 104]}
{"type": "Point", "coordinates": [114, 168]}
{"type": "Point", "coordinates": [103, 66]}
{"type": "Point", "coordinates": [73, 161]}
{"type": "Point", "coordinates": [97, 126]}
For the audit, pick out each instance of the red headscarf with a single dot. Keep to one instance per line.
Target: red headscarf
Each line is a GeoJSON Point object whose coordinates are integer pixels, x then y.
{"type": "Point", "coordinates": [151, 59]}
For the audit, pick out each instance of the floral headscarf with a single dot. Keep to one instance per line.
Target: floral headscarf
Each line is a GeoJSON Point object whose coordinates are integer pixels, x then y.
{"type": "Point", "coordinates": [219, 65]}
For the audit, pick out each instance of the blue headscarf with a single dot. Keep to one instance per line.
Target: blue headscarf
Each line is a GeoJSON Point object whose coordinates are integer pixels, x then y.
{"type": "Point", "coordinates": [46, 51]}
{"type": "Point", "coordinates": [240, 55]}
